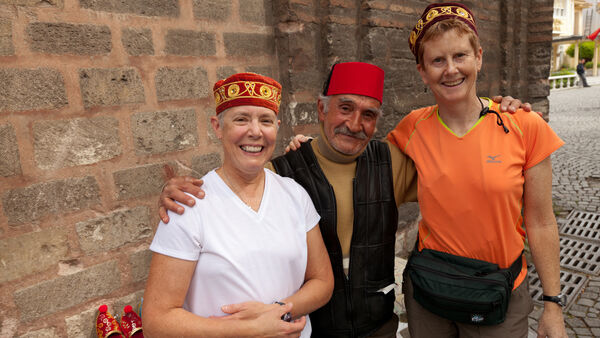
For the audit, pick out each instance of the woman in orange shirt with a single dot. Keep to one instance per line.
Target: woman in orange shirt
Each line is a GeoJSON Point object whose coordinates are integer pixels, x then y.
{"type": "Point", "coordinates": [477, 170]}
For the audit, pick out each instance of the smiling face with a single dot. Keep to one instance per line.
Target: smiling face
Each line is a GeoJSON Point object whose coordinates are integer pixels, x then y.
{"type": "Point", "coordinates": [248, 134]}
{"type": "Point", "coordinates": [449, 66]}
{"type": "Point", "coordinates": [349, 121]}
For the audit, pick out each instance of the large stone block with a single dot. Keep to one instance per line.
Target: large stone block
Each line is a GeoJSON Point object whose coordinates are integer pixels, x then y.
{"type": "Point", "coordinates": [43, 333]}
{"type": "Point", "coordinates": [114, 230]}
{"type": "Point", "coordinates": [258, 12]}
{"type": "Point", "coordinates": [110, 87]}
{"type": "Point", "coordinates": [218, 10]}
{"type": "Point", "coordinates": [10, 164]}
{"type": "Point", "coordinates": [140, 7]}
{"type": "Point", "coordinates": [6, 43]}
{"type": "Point", "coordinates": [164, 131]}
{"type": "Point", "coordinates": [181, 83]}
{"type": "Point", "coordinates": [139, 181]}
{"type": "Point", "coordinates": [541, 88]}
{"type": "Point", "coordinates": [63, 292]}
{"type": "Point", "coordinates": [205, 163]}
{"type": "Point", "coordinates": [67, 143]}
{"type": "Point", "coordinates": [32, 252]}
{"type": "Point", "coordinates": [55, 197]}
{"type": "Point", "coordinates": [64, 38]}
{"type": "Point", "coordinates": [34, 3]}
{"type": "Point", "coordinates": [243, 44]}
{"type": "Point", "coordinates": [263, 70]}
{"type": "Point", "coordinates": [303, 113]}
{"type": "Point", "coordinates": [137, 41]}
{"type": "Point", "coordinates": [27, 89]}
{"type": "Point", "coordinates": [190, 43]}
{"type": "Point", "coordinates": [140, 265]}
{"type": "Point", "coordinates": [224, 72]}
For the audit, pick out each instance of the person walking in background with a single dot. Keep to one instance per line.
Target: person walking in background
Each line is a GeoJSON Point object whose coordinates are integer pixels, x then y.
{"type": "Point", "coordinates": [581, 72]}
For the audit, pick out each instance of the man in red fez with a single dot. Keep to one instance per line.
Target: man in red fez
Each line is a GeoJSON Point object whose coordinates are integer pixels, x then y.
{"type": "Point", "coordinates": [356, 184]}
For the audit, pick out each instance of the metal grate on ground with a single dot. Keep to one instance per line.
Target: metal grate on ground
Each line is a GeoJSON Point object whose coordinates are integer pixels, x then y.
{"type": "Point", "coordinates": [580, 255]}
{"type": "Point", "coordinates": [582, 224]}
{"type": "Point", "coordinates": [570, 285]}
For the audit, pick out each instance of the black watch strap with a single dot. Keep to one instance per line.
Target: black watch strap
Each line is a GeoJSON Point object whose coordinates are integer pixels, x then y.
{"type": "Point", "coordinates": [560, 299]}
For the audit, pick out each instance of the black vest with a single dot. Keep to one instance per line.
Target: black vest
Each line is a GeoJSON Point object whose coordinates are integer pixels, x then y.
{"type": "Point", "coordinates": [356, 309]}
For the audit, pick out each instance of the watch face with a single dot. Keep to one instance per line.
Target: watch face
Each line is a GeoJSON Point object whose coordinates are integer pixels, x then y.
{"type": "Point", "coordinates": [563, 299]}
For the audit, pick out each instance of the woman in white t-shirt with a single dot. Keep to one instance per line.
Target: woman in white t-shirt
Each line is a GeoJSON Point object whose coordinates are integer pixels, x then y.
{"type": "Point", "coordinates": [248, 259]}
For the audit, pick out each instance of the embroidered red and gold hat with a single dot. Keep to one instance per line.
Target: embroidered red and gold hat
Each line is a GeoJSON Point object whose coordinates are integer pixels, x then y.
{"type": "Point", "coordinates": [435, 13]}
{"type": "Point", "coordinates": [357, 78]}
{"type": "Point", "coordinates": [247, 89]}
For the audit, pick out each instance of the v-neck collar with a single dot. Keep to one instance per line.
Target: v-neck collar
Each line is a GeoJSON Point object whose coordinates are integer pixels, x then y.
{"type": "Point", "coordinates": [439, 118]}
{"type": "Point", "coordinates": [243, 206]}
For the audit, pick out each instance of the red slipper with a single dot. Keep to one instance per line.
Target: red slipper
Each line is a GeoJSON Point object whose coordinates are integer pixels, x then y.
{"type": "Point", "coordinates": [106, 324]}
{"type": "Point", "coordinates": [131, 323]}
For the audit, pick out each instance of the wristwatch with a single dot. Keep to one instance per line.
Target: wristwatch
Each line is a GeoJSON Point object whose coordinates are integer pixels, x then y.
{"type": "Point", "coordinates": [287, 317]}
{"type": "Point", "coordinates": [560, 299]}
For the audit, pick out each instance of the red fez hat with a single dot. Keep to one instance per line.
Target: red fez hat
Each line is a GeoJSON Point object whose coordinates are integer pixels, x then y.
{"type": "Point", "coordinates": [355, 78]}
{"type": "Point", "coordinates": [247, 89]}
{"type": "Point", "coordinates": [435, 13]}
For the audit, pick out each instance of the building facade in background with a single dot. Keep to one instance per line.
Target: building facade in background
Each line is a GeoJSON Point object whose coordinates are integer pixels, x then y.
{"type": "Point", "coordinates": [96, 96]}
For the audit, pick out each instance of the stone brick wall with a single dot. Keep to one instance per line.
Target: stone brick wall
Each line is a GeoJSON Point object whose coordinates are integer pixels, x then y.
{"type": "Point", "coordinates": [96, 96]}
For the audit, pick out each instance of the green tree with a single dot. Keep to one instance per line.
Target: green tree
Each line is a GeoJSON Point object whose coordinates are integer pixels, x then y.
{"type": "Point", "coordinates": [586, 50]}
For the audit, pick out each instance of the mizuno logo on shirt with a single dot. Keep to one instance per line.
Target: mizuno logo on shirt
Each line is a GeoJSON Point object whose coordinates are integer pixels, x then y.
{"type": "Point", "coordinates": [493, 159]}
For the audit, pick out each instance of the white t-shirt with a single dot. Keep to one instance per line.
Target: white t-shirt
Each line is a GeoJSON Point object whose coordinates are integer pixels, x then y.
{"type": "Point", "coordinates": [241, 255]}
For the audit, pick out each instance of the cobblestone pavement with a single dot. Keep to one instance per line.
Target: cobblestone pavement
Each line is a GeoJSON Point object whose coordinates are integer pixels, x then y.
{"type": "Point", "coordinates": [575, 117]}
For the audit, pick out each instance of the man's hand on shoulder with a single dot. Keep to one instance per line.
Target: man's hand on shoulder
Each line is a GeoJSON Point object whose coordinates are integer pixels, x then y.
{"type": "Point", "coordinates": [510, 104]}
{"type": "Point", "coordinates": [296, 142]}
{"type": "Point", "coordinates": [174, 190]}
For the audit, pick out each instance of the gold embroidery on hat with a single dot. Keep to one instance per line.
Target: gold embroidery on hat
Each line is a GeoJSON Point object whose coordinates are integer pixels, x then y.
{"type": "Point", "coordinates": [233, 90]}
{"type": "Point", "coordinates": [446, 10]}
{"type": "Point", "coordinates": [431, 15]}
{"type": "Point", "coordinates": [265, 91]}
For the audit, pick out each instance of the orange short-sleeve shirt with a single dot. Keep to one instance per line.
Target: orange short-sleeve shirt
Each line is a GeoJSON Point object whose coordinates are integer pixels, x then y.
{"type": "Point", "coordinates": [470, 188]}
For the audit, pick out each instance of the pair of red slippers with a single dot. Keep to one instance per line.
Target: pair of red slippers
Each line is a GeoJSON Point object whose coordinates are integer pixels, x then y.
{"type": "Point", "coordinates": [108, 326]}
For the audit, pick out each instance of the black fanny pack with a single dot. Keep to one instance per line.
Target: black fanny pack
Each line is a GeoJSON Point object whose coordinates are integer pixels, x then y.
{"type": "Point", "coordinates": [462, 289]}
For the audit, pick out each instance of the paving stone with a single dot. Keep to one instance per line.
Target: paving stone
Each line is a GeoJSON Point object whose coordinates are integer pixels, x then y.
{"type": "Point", "coordinates": [578, 313]}
{"type": "Point", "coordinates": [574, 322]}
{"type": "Point", "coordinates": [582, 331]}
{"type": "Point", "coordinates": [586, 302]}
{"type": "Point", "coordinates": [592, 322]}
{"type": "Point", "coordinates": [596, 331]}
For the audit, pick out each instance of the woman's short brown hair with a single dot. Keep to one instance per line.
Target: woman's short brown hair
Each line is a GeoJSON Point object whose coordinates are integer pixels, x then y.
{"type": "Point", "coordinates": [441, 27]}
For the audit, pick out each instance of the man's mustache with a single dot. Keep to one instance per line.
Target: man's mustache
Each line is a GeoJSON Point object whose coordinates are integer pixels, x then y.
{"type": "Point", "coordinates": [345, 131]}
